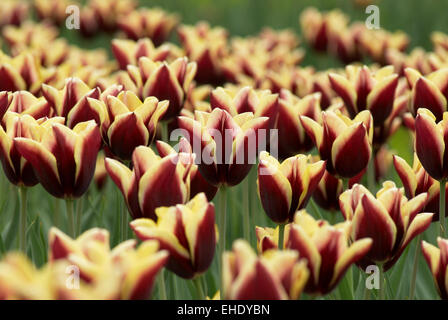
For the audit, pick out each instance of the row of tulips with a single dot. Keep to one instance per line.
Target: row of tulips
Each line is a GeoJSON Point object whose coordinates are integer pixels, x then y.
{"type": "Point", "coordinates": [61, 106]}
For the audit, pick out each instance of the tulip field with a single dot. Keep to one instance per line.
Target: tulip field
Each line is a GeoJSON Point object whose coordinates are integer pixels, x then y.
{"type": "Point", "coordinates": [223, 150]}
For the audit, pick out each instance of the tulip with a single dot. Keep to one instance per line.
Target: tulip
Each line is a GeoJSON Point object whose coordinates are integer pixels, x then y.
{"type": "Point", "coordinates": [327, 192]}
{"type": "Point", "coordinates": [129, 122]}
{"type": "Point", "coordinates": [124, 272]}
{"type": "Point", "coordinates": [162, 80]}
{"type": "Point", "coordinates": [337, 137]}
{"type": "Point", "coordinates": [155, 24]}
{"type": "Point", "coordinates": [207, 47]}
{"type": "Point", "coordinates": [100, 175]}
{"type": "Point", "coordinates": [416, 180]}
{"type": "Point", "coordinates": [5, 101]}
{"type": "Point", "coordinates": [197, 182]}
{"type": "Point", "coordinates": [154, 182]}
{"type": "Point", "coordinates": [325, 247]}
{"type": "Point", "coordinates": [187, 232]}
{"type": "Point", "coordinates": [430, 149]}
{"type": "Point", "coordinates": [292, 138]}
{"type": "Point", "coordinates": [285, 188]}
{"type": "Point", "coordinates": [361, 89]}
{"type": "Point", "coordinates": [52, 10]}
{"type": "Point", "coordinates": [226, 143]}
{"type": "Point", "coordinates": [108, 14]}
{"type": "Point", "coordinates": [430, 91]}
{"type": "Point", "coordinates": [275, 275]}
{"type": "Point", "coordinates": [390, 219]}
{"type": "Point", "coordinates": [63, 159]}
{"type": "Point", "coordinates": [436, 258]}
{"type": "Point", "coordinates": [13, 12]}
{"type": "Point", "coordinates": [29, 33]}
{"type": "Point", "coordinates": [128, 52]}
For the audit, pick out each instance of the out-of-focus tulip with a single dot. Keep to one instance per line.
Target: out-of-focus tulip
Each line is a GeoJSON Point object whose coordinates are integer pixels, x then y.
{"type": "Point", "coordinates": [362, 89]}
{"type": "Point", "coordinates": [437, 260]}
{"type": "Point", "coordinates": [129, 122]}
{"type": "Point", "coordinates": [286, 187]}
{"type": "Point", "coordinates": [129, 51]}
{"type": "Point", "coordinates": [207, 46]}
{"type": "Point", "coordinates": [390, 219]}
{"type": "Point", "coordinates": [13, 12]}
{"type": "Point", "coordinates": [228, 145]}
{"type": "Point", "coordinates": [325, 247]}
{"type": "Point", "coordinates": [154, 182]}
{"type": "Point", "coordinates": [292, 138]}
{"type": "Point", "coordinates": [29, 34]}
{"type": "Point", "coordinates": [344, 143]}
{"type": "Point", "coordinates": [63, 159]}
{"type": "Point", "coordinates": [18, 170]}
{"type": "Point", "coordinates": [416, 181]}
{"type": "Point", "coordinates": [430, 91]}
{"type": "Point", "coordinates": [107, 14]}
{"type": "Point", "coordinates": [52, 10]}
{"type": "Point", "coordinates": [162, 80]}
{"type": "Point", "coordinates": [187, 232]}
{"type": "Point", "coordinates": [155, 24]}
{"type": "Point", "coordinates": [275, 275]}
{"type": "Point", "coordinates": [197, 182]}
{"type": "Point", "coordinates": [124, 272]}
{"type": "Point", "coordinates": [430, 143]}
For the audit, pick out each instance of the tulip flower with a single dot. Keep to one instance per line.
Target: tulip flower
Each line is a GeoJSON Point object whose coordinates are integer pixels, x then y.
{"type": "Point", "coordinates": [100, 175]}
{"type": "Point", "coordinates": [197, 182]}
{"type": "Point", "coordinates": [52, 10]}
{"type": "Point", "coordinates": [187, 232]}
{"type": "Point", "coordinates": [63, 159]}
{"type": "Point", "coordinates": [325, 247]}
{"type": "Point", "coordinates": [436, 258]}
{"type": "Point", "coordinates": [416, 180]}
{"type": "Point", "coordinates": [390, 219]}
{"type": "Point", "coordinates": [207, 46]}
{"type": "Point", "coordinates": [128, 51]}
{"type": "Point", "coordinates": [5, 100]}
{"type": "Point", "coordinates": [162, 80]}
{"type": "Point", "coordinates": [13, 12]}
{"type": "Point", "coordinates": [363, 89]}
{"type": "Point", "coordinates": [109, 14]}
{"type": "Point", "coordinates": [154, 182]}
{"type": "Point", "coordinates": [430, 91]}
{"type": "Point", "coordinates": [430, 149]}
{"type": "Point", "coordinates": [285, 188]}
{"type": "Point", "coordinates": [155, 24]}
{"type": "Point", "coordinates": [292, 138]}
{"type": "Point", "coordinates": [228, 145]}
{"type": "Point", "coordinates": [129, 122]}
{"type": "Point", "coordinates": [124, 272]}
{"type": "Point", "coordinates": [327, 192]}
{"type": "Point", "coordinates": [338, 136]}
{"type": "Point", "coordinates": [275, 275]}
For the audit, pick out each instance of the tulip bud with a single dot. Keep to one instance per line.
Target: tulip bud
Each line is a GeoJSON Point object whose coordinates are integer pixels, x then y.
{"type": "Point", "coordinates": [437, 258]}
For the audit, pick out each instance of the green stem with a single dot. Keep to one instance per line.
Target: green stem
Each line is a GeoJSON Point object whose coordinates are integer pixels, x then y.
{"type": "Point", "coordinates": [382, 283]}
{"type": "Point", "coordinates": [164, 127]}
{"type": "Point", "coordinates": [70, 217]}
{"type": "Point", "coordinates": [200, 290]}
{"type": "Point", "coordinates": [281, 236]}
{"type": "Point", "coordinates": [371, 174]}
{"type": "Point", "coordinates": [345, 184]}
{"type": "Point", "coordinates": [442, 208]}
{"type": "Point", "coordinates": [161, 284]}
{"type": "Point", "coordinates": [22, 231]}
{"type": "Point", "coordinates": [246, 209]}
{"type": "Point", "coordinates": [124, 220]}
{"type": "Point", "coordinates": [415, 268]}
{"type": "Point", "coordinates": [222, 231]}
{"type": "Point", "coordinates": [79, 208]}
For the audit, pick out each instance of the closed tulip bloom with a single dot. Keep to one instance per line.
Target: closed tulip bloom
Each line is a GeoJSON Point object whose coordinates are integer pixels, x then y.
{"type": "Point", "coordinates": [416, 180]}
{"type": "Point", "coordinates": [327, 192]}
{"type": "Point", "coordinates": [124, 272]}
{"type": "Point", "coordinates": [162, 80]}
{"type": "Point", "coordinates": [228, 145]}
{"type": "Point", "coordinates": [187, 232]}
{"type": "Point", "coordinates": [13, 12]}
{"type": "Point", "coordinates": [327, 249]}
{"type": "Point", "coordinates": [129, 122]}
{"type": "Point", "coordinates": [437, 260]}
{"type": "Point", "coordinates": [390, 219]}
{"type": "Point", "coordinates": [338, 137]}
{"type": "Point", "coordinates": [430, 143]}
{"type": "Point", "coordinates": [274, 275]}
{"type": "Point", "coordinates": [154, 181]}
{"type": "Point", "coordinates": [429, 91]}
{"type": "Point", "coordinates": [292, 138]}
{"type": "Point", "coordinates": [363, 89]}
{"type": "Point", "coordinates": [63, 159]}
{"type": "Point", "coordinates": [197, 182]}
{"type": "Point", "coordinates": [286, 187]}
{"type": "Point", "coordinates": [24, 102]}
